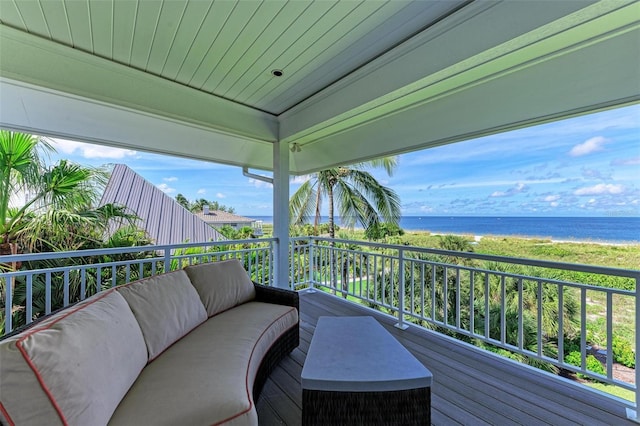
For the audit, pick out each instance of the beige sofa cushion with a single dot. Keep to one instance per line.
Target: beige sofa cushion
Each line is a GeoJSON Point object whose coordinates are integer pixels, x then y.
{"type": "Point", "coordinates": [73, 368]}
{"type": "Point", "coordinates": [207, 377]}
{"type": "Point", "coordinates": [221, 285]}
{"type": "Point", "coordinates": [166, 306]}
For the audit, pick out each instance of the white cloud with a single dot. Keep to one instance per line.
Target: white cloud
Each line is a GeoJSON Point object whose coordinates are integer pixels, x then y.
{"type": "Point", "coordinates": [201, 191]}
{"type": "Point", "coordinates": [626, 162]}
{"type": "Point", "coordinates": [299, 179]}
{"type": "Point", "coordinates": [554, 204]}
{"type": "Point", "coordinates": [516, 189]}
{"type": "Point", "coordinates": [170, 179]}
{"type": "Point", "coordinates": [552, 198]}
{"type": "Point", "coordinates": [165, 188]}
{"type": "Point", "coordinates": [589, 146]}
{"type": "Point", "coordinates": [600, 189]}
{"type": "Point", "coordinates": [259, 183]}
{"type": "Point", "coordinates": [90, 151]}
{"type": "Point", "coordinates": [220, 195]}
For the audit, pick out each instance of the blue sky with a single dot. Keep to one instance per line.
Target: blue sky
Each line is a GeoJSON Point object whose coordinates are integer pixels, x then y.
{"type": "Point", "coordinates": [585, 166]}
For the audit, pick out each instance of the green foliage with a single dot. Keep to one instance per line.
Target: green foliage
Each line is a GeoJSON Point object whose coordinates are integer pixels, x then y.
{"type": "Point", "coordinates": [623, 352]}
{"type": "Point", "coordinates": [182, 200]}
{"type": "Point", "coordinates": [613, 390]}
{"type": "Point", "coordinates": [455, 243]}
{"type": "Point", "coordinates": [551, 249]}
{"type": "Point", "coordinates": [198, 205]}
{"type": "Point", "coordinates": [228, 231]}
{"type": "Point", "coordinates": [358, 197]}
{"type": "Point", "coordinates": [595, 366]}
{"type": "Point", "coordinates": [231, 233]}
{"type": "Point", "coordinates": [62, 186]}
{"type": "Point", "coordinates": [60, 215]}
{"type": "Point", "coordinates": [84, 279]}
{"type": "Point", "coordinates": [252, 261]}
{"type": "Point", "coordinates": [592, 363]}
{"type": "Point", "coordinates": [383, 230]}
{"type": "Point", "coordinates": [309, 230]}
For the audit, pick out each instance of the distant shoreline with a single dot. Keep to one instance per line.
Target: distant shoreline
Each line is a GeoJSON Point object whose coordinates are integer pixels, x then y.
{"type": "Point", "coordinates": [614, 231]}
{"type": "Point", "coordinates": [477, 238]}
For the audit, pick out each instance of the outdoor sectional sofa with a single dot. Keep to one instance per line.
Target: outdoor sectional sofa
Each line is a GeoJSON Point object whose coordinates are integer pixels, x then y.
{"type": "Point", "coordinates": [190, 347]}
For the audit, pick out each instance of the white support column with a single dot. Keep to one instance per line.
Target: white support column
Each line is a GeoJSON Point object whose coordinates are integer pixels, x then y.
{"type": "Point", "coordinates": [281, 212]}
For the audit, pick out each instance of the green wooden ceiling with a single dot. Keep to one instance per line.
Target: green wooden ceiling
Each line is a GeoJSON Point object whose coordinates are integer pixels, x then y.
{"type": "Point", "coordinates": [359, 79]}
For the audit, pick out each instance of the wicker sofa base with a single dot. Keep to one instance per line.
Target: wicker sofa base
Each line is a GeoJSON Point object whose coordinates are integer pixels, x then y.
{"type": "Point", "coordinates": [405, 407]}
{"type": "Point", "coordinates": [280, 349]}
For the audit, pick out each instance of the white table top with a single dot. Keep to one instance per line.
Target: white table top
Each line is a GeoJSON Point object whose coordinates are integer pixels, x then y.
{"type": "Point", "coordinates": [356, 354]}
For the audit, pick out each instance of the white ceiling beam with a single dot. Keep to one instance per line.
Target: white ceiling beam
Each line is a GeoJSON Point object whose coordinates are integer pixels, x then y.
{"type": "Point", "coordinates": [582, 62]}
{"type": "Point", "coordinates": [46, 112]}
{"type": "Point", "coordinates": [88, 86]}
{"type": "Point", "coordinates": [514, 101]}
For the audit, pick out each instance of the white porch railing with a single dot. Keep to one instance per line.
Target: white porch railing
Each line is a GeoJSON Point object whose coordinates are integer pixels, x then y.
{"type": "Point", "coordinates": [522, 306]}
{"type": "Point", "coordinates": [50, 281]}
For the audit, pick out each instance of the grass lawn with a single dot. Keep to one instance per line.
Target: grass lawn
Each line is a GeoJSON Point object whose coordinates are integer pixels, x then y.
{"type": "Point", "coordinates": [613, 390]}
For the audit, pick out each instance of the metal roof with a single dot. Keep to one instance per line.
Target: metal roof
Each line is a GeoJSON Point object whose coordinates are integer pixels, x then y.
{"type": "Point", "coordinates": [163, 218]}
{"type": "Point", "coordinates": [221, 217]}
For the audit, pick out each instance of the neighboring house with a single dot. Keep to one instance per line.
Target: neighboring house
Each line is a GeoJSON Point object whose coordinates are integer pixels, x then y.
{"type": "Point", "coordinates": [163, 218]}
{"type": "Point", "coordinates": [219, 218]}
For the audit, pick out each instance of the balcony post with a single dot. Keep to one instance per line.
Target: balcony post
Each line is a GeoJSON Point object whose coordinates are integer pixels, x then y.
{"type": "Point", "coordinates": [312, 267]}
{"type": "Point", "coordinates": [401, 325]}
{"type": "Point", "coordinates": [167, 259]}
{"type": "Point", "coordinates": [8, 305]}
{"type": "Point", "coordinates": [281, 213]}
{"type": "Point", "coordinates": [634, 415]}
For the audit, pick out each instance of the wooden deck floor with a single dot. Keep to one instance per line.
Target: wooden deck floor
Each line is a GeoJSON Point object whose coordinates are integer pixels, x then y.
{"type": "Point", "coordinates": [470, 387]}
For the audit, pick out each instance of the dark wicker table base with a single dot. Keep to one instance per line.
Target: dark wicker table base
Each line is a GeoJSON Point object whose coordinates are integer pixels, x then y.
{"type": "Point", "coordinates": [406, 407]}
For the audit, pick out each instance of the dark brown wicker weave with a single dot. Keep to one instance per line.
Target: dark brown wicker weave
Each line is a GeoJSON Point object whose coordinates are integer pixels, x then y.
{"type": "Point", "coordinates": [406, 407]}
{"type": "Point", "coordinates": [285, 344]}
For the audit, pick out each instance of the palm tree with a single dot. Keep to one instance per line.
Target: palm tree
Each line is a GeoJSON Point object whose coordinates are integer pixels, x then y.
{"type": "Point", "coordinates": [63, 186]}
{"type": "Point", "coordinates": [182, 200]}
{"type": "Point", "coordinates": [357, 195]}
{"type": "Point", "coordinates": [59, 212]}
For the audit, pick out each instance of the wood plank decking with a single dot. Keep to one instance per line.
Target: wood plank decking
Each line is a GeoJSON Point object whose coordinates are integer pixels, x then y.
{"type": "Point", "coordinates": [470, 387]}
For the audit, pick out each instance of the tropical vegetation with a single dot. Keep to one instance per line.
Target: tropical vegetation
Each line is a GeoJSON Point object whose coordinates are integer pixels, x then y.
{"type": "Point", "coordinates": [351, 190]}
{"type": "Point", "coordinates": [232, 233]}
{"type": "Point", "coordinates": [369, 275]}
{"type": "Point", "coordinates": [197, 206]}
{"type": "Point", "coordinates": [46, 208]}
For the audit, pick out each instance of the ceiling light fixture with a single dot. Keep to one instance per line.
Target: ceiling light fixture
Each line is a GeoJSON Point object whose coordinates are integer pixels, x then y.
{"type": "Point", "coordinates": [295, 147]}
{"type": "Point", "coordinates": [277, 73]}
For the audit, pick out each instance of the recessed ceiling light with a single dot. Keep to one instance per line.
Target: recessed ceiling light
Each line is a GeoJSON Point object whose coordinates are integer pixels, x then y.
{"type": "Point", "coordinates": [277, 73]}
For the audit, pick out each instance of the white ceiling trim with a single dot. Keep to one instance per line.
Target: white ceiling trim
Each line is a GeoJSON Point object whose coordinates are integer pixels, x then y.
{"type": "Point", "coordinates": [598, 76]}
{"type": "Point", "coordinates": [508, 65]}
{"type": "Point", "coordinates": [51, 65]}
{"type": "Point", "coordinates": [47, 112]}
{"type": "Point", "coordinates": [325, 115]}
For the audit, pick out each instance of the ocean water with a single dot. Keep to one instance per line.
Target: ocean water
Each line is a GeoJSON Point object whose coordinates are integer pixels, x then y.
{"type": "Point", "coordinates": [597, 229]}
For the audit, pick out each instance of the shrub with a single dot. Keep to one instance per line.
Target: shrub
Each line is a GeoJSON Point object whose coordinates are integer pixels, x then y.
{"type": "Point", "coordinates": [383, 230]}
{"type": "Point", "coordinates": [593, 365]}
{"type": "Point", "coordinates": [623, 352]}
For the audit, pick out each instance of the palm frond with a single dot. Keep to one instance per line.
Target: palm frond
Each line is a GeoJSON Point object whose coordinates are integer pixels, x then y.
{"type": "Point", "coordinates": [302, 204]}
